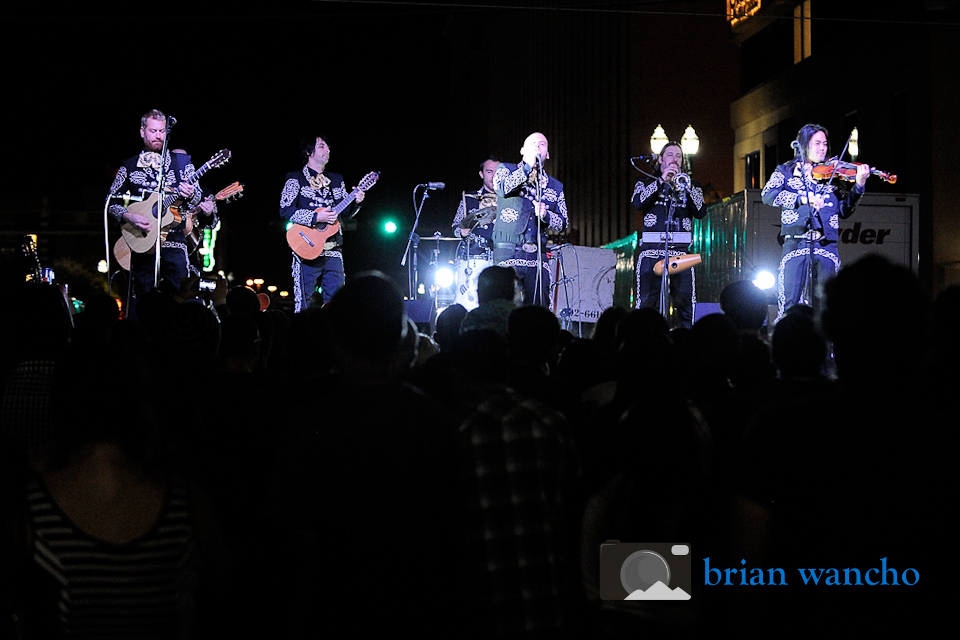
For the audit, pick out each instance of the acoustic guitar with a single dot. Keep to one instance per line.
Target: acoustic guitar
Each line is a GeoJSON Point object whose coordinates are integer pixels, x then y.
{"type": "Point", "coordinates": [307, 242]}
{"type": "Point", "coordinates": [159, 213]}
{"type": "Point", "coordinates": [121, 251]}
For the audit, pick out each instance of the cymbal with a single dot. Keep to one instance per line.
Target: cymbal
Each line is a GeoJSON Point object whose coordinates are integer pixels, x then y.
{"type": "Point", "coordinates": [480, 216]}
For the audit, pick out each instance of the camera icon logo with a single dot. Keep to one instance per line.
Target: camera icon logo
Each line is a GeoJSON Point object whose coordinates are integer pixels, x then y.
{"type": "Point", "coordinates": [645, 571]}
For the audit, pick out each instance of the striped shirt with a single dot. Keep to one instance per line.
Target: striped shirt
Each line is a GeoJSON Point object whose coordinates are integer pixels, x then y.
{"type": "Point", "coordinates": [140, 589]}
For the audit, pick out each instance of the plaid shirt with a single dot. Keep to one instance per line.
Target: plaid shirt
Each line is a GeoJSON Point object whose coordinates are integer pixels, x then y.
{"type": "Point", "coordinates": [26, 408]}
{"type": "Point", "coordinates": [520, 475]}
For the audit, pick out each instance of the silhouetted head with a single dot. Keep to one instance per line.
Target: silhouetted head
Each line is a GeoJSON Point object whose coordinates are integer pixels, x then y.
{"type": "Point", "coordinates": [366, 318]}
{"type": "Point", "coordinates": [533, 335]}
{"type": "Point", "coordinates": [448, 326]}
{"type": "Point", "coordinates": [797, 346]}
{"type": "Point", "coordinates": [243, 300]}
{"type": "Point", "coordinates": [36, 322]}
{"type": "Point", "coordinates": [496, 283]}
{"type": "Point", "coordinates": [877, 316]}
{"type": "Point", "coordinates": [240, 337]}
{"type": "Point", "coordinates": [744, 304]}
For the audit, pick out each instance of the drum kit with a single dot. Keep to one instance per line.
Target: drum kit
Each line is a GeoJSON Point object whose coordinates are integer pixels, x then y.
{"type": "Point", "coordinates": [468, 270]}
{"type": "Point", "coordinates": [467, 264]}
{"type": "Point", "coordinates": [468, 260]}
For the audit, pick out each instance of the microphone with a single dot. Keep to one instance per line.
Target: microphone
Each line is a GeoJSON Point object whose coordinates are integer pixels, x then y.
{"type": "Point", "coordinates": [434, 186]}
{"type": "Point", "coordinates": [650, 158]}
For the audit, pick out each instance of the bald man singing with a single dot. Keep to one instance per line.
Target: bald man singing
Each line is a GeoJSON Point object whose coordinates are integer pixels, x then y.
{"type": "Point", "coordinates": [529, 205]}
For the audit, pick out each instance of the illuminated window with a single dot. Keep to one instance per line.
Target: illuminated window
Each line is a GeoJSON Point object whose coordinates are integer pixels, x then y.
{"type": "Point", "coordinates": [801, 31]}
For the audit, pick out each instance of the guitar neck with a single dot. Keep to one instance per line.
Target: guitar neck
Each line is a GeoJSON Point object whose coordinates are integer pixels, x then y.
{"type": "Point", "coordinates": [173, 197]}
{"type": "Point", "coordinates": [346, 202]}
{"type": "Point", "coordinates": [206, 166]}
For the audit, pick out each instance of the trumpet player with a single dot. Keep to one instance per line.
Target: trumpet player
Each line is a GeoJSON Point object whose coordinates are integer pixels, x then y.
{"type": "Point", "coordinates": [669, 202]}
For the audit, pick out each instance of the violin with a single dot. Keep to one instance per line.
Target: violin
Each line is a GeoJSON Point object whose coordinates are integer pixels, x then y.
{"type": "Point", "coordinates": [846, 171]}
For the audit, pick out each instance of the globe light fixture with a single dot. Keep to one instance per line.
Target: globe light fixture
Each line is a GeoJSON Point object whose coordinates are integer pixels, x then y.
{"type": "Point", "coordinates": [658, 139]}
{"type": "Point", "coordinates": [690, 142]}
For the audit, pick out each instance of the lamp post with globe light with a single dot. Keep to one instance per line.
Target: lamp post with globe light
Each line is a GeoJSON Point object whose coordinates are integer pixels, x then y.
{"type": "Point", "coordinates": [690, 144]}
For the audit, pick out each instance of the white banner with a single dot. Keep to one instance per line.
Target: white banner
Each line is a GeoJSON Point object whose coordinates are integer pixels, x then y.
{"type": "Point", "coordinates": [582, 280]}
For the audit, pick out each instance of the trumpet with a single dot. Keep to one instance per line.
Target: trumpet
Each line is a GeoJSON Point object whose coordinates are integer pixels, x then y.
{"type": "Point", "coordinates": [681, 182]}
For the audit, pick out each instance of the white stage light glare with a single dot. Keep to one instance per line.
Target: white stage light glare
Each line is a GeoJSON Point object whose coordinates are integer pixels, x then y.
{"type": "Point", "coordinates": [444, 277]}
{"type": "Point", "coordinates": [764, 280]}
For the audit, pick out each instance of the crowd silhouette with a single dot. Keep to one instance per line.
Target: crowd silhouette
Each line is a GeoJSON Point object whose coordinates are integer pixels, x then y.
{"type": "Point", "coordinates": [346, 469]}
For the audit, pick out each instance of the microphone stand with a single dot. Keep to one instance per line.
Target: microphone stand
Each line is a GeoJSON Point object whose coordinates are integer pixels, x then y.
{"type": "Point", "coordinates": [161, 187]}
{"type": "Point", "coordinates": [414, 241]}
{"type": "Point", "coordinates": [106, 244]}
{"type": "Point", "coordinates": [465, 240]}
{"type": "Point", "coordinates": [667, 237]}
{"type": "Point", "coordinates": [808, 292]}
{"type": "Point", "coordinates": [538, 189]}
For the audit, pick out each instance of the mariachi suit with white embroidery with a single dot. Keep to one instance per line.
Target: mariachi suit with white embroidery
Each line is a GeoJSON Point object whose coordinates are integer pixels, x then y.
{"type": "Point", "coordinates": [652, 198]}
{"type": "Point", "coordinates": [787, 189]}
{"type": "Point", "coordinates": [138, 176]}
{"type": "Point", "coordinates": [515, 230]}
{"type": "Point", "coordinates": [303, 193]}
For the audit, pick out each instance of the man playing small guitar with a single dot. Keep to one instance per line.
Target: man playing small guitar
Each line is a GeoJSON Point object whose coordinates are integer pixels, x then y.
{"type": "Point", "coordinates": [309, 198]}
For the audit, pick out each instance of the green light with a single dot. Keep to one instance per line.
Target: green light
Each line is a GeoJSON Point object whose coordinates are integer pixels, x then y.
{"type": "Point", "coordinates": [390, 226]}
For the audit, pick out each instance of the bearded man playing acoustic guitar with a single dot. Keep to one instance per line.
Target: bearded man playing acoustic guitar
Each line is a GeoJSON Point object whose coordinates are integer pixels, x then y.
{"type": "Point", "coordinates": [308, 198]}
{"type": "Point", "coordinates": [139, 176]}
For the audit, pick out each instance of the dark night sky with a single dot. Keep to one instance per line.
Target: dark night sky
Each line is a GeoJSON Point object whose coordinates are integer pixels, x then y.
{"type": "Point", "coordinates": [375, 77]}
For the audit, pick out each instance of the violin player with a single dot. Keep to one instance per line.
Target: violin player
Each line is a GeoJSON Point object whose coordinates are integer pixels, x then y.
{"type": "Point", "coordinates": [810, 214]}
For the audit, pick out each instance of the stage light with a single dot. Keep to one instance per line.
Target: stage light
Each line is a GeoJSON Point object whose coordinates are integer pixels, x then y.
{"type": "Point", "coordinates": [764, 280]}
{"type": "Point", "coordinates": [390, 226]}
{"type": "Point", "coordinates": [444, 277]}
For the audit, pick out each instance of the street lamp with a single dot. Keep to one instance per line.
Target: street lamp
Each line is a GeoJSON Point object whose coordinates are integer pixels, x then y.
{"type": "Point", "coordinates": [854, 147]}
{"type": "Point", "coordinates": [658, 139]}
{"type": "Point", "coordinates": [690, 144]}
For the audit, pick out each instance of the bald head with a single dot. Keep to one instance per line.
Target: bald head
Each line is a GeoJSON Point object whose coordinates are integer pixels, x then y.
{"type": "Point", "coordinates": [534, 145]}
